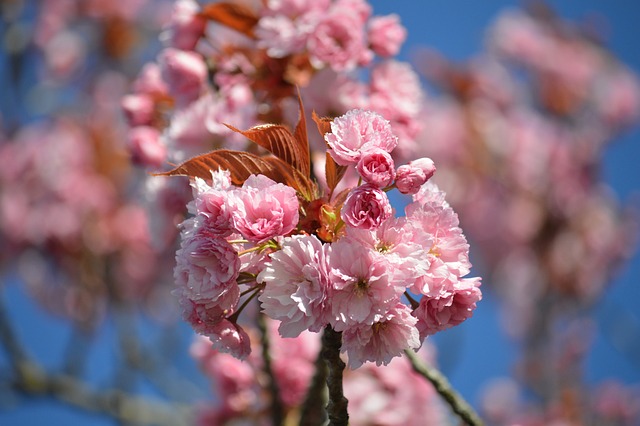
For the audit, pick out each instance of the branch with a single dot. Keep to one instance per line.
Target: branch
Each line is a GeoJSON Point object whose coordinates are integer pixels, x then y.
{"type": "Point", "coordinates": [124, 407]}
{"type": "Point", "coordinates": [446, 391]}
{"type": "Point", "coordinates": [337, 407]}
{"type": "Point", "coordinates": [31, 379]}
{"type": "Point", "coordinates": [277, 411]}
{"type": "Point", "coordinates": [313, 410]}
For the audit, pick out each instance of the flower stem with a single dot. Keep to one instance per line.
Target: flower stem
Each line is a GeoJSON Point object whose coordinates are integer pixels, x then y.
{"type": "Point", "coordinates": [446, 391]}
{"type": "Point", "coordinates": [337, 406]}
{"type": "Point", "coordinates": [412, 301]}
{"type": "Point", "coordinates": [233, 318]}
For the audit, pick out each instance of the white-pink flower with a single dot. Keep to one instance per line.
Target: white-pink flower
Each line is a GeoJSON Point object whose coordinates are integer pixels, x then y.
{"type": "Point", "coordinates": [297, 285]}
{"type": "Point", "coordinates": [448, 309]}
{"type": "Point", "coordinates": [383, 340]}
{"type": "Point", "coordinates": [386, 34]}
{"type": "Point", "coordinates": [264, 209]}
{"type": "Point", "coordinates": [394, 240]}
{"type": "Point", "coordinates": [356, 132]}
{"type": "Point", "coordinates": [376, 167]}
{"type": "Point", "coordinates": [366, 207]}
{"type": "Point", "coordinates": [363, 288]}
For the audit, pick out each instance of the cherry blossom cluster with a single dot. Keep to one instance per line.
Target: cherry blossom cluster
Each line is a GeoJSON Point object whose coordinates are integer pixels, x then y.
{"type": "Point", "coordinates": [211, 72]}
{"type": "Point", "coordinates": [362, 281]}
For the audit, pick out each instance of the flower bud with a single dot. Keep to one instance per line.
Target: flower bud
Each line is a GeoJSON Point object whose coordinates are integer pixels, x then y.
{"type": "Point", "coordinates": [410, 177]}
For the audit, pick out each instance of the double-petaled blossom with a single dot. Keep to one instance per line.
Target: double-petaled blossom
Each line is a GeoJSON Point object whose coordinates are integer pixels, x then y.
{"type": "Point", "coordinates": [363, 285]}
{"type": "Point", "coordinates": [449, 308]}
{"type": "Point", "coordinates": [383, 340]}
{"type": "Point", "coordinates": [376, 167]}
{"type": "Point", "coordinates": [356, 132]}
{"type": "Point", "coordinates": [297, 285]}
{"type": "Point", "coordinates": [366, 207]}
{"type": "Point", "coordinates": [207, 268]}
{"type": "Point", "coordinates": [185, 73]}
{"type": "Point", "coordinates": [386, 34]}
{"type": "Point", "coordinates": [264, 209]}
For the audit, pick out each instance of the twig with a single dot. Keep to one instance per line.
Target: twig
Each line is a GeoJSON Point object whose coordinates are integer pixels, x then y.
{"type": "Point", "coordinates": [337, 407]}
{"type": "Point", "coordinates": [313, 411]}
{"type": "Point", "coordinates": [446, 391]}
{"type": "Point", "coordinates": [277, 410]}
{"type": "Point", "coordinates": [31, 379]}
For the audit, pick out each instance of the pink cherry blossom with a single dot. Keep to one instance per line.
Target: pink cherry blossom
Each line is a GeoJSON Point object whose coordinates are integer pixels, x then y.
{"type": "Point", "coordinates": [229, 337]}
{"type": "Point", "coordinates": [376, 167]}
{"type": "Point", "coordinates": [395, 240]}
{"type": "Point", "coordinates": [363, 288]}
{"type": "Point", "coordinates": [448, 309]}
{"type": "Point", "coordinates": [383, 340]}
{"type": "Point", "coordinates": [185, 27]}
{"type": "Point", "coordinates": [264, 209]}
{"type": "Point", "coordinates": [211, 202]}
{"type": "Point", "coordinates": [386, 34]}
{"type": "Point", "coordinates": [358, 131]}
{"type": "Point", "coordinates": [145, 146]}
{"type": "Point", "coordinates": [149, 81]}
{"type": "Point", "coordinates": [281, 35]}
{"type": "Point", "coordinates": [366, 207]}
{"type": "Point", "coordinates": [338, 40]}
{"type": "Point", "coordinates": [410, 177]}
{"type": "Point", "coordinates": [185, 73]}
{"type": "Point", "coordinates": [138, 109]}
{"type": "Point", "coordinates": [206, 266]}
{"type": "Point", "coordinates": [297, 286]}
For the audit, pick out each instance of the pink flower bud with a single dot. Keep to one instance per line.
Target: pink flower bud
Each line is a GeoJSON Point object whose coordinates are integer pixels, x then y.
{"type": "Point", "coordinates": [366, 207]}
{"type": "Point", "coordinates": [185, 73]}
{"type": "Point", "coordinates": [138, 109]}
{"type": "Point", "coordinates": [145, 146]}
{"type": "Point", "coordinates": [410, 177]}
{"type": "Point", "coordinates": [386, 35]}
{"type": "Point", "coordinates": [376, 167]}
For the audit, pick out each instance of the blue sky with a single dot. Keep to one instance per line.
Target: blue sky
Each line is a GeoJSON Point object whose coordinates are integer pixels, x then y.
{"type": "Point", "coordinates": [477, 350]}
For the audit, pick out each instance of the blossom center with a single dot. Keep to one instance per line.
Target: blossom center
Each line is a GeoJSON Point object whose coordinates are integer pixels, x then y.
{"type": "Point", "coordinates": [361, 287]}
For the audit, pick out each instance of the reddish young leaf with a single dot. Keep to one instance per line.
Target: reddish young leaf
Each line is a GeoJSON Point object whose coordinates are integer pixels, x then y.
{"type": "Point", "coordinates": [233, 15]}
{"type": "Point", "coordinates": [280, 142]}
{"type": "Point", "coordinates": [295, 179]}
{"type": "Point", "coordinates": [333, 173]}
{"type": "Point", "coordinates": [240, 164]}
{"type": "Point", "coordinates": [323, 123]}
{"type": "Point", "coordinates": [300, 133]}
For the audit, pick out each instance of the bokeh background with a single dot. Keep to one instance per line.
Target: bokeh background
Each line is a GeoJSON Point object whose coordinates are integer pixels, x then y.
{"type": "Point", "coordinates": [471, 355]}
